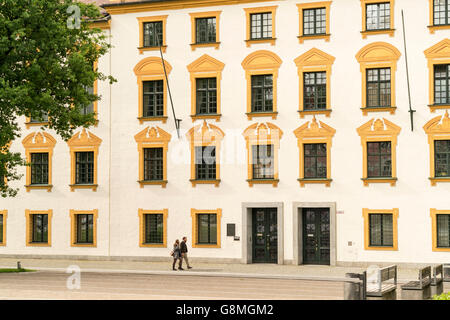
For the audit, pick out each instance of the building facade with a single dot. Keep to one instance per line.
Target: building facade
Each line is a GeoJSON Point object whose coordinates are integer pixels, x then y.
{"type": "Point", "coordinates": [295, 145]}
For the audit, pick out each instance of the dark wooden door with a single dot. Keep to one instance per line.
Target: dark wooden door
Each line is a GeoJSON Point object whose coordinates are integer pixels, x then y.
{"type": "Point", "coordinates": [316, 236]}
{"type": "Point", "coordinates": [265, 237]}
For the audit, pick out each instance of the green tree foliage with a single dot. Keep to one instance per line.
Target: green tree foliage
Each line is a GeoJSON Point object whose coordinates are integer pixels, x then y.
{"type": "Point", "coordinates": [443, 296]}
{"type": "Point", "coordinates": [47, 52]}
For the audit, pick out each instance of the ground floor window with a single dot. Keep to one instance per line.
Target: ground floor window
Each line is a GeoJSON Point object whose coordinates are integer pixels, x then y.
{"type": "Point", "coordinates": [154, 228]}
{"type": "Point", "coordinates": [85, 228]}
{"type": "Point", "coordinates": [381, 230]}
{"type": "Point", "coordinates": [443, 230]}
{"type": "Point", "coordinates": [2, 223]}
{"type": "Point", "coordinates": [207, 229]}
{"type": "Point", "coordinates": [39, 228]}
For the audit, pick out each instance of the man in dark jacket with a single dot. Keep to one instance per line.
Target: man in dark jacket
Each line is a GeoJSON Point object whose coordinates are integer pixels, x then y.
{"type": "Point", "coordinates": [184, 250]}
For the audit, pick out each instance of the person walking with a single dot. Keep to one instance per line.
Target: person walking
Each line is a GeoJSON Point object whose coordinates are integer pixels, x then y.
{"type": "Point", "coordinates": [176, 253]}
{"type": "Point", "coordinates": [184, 250]}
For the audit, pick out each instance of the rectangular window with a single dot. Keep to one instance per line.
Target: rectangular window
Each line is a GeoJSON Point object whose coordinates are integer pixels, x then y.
{"type": "Point", "coordinates": [378, 87]}
{"type": "Point", "coordinates": [262, 93]}
{"type": "Point", "coordinates": [441, 12]}
{"type": "Point", "coordinates": [263, 161]}
{"type": "Point", "coordinates": [378, 16]}
{"type": "Point", "coordinates": [154, 229]}
{"type": "Point", "coordinates": [85, 228]}
{"type": "Point", "coordinates": [153, 164]}
{"type": "Point", "coordinates": [261, 25]}
{"type": "Point", "coordinates": [39, 228]}
{"type": "Point", "coordinates": [43, 118]}
{"type": "Point", "coordinates": [153, 92]}
{"type": "Point", "coordinates": [442, 84]}
{"type": "Point", "coordinates": [205, 30]}
{"type": "Point", "coordinates": [381, 230]}
{"type": "Point", "coordinates": [84, 166]}
{"type": "Point", "coordinates": [206, 95]}
{"type": "Point", "coordinates": [90, 108]}
{"type": "Point", "coordinates": [153, 34]}
{"type": "Point", "coordinates": [314, 21]}
{"type": "Point", "coordinates": [205, 163]}
{"type": "Point", "coordinates": [443, 230]}
{"type": "Point", "coordinates": [315, 160]}
{"type": "Point", "coordinates": [379, 163]}
{"type": "Point", "coordinates": [207, 228]}
{"type": "Point", "coordinates": [1, 228]}
{"type": "Point", "coordinates": [442, 158]}
{"type": "Point", "coordinates": [39, 168]}
{"type": "Point", "coordinates": [315, 90]}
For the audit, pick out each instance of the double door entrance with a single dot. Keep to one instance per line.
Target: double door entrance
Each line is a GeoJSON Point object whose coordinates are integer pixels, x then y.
{"type": "Point", "coordinates": [316, 235]}
{"type": "Point", "coordinates": [265, 236]}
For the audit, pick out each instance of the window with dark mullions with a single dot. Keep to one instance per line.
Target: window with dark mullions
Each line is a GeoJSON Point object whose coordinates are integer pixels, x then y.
{"type": "Point", "coordinates": [262, 93]}
{"type": "Point", "coordinates": [206, 95]}
{"type": "Point", "coordinates": [379, 163]}
{"type": "Point", "coordinates": [153, 92]}
{"type": "Point", "coordinates": [89, 108]}
{"type": "Point", "coordinates": [153, 34]}
{"type": "Point", "coordinates": [154, 229]}
{"type": "Point", "coordinates": [39, 228]}
{"type": "Point", "coordinates": [261, 25]}
{"type": "Point", "coordinates": [1, 228]}
{"type": "Point", "coordinates": [442, 84]}
{"type": "Point", "coordinates": [153, 164]}
{"type": "Point", "coordinates": [441, 12]}
{"type": "Point", "coordinates": [263, 162]}
{"type": "Point", "coordinates": [315, 160]}
{"type": "Point", "coordinates": [39, 168]}
{"type": "Point", "coordinates": [84, 167]}
{"type": "Point", "coordinates": [42, 119]}
{"type": "Point", "coordinates": [85, 228]}
{"type": "Point", "coordinates": [378, 16]}
{"type": "Point", "coordinates": [315, 90]}
{"type": "Point", "coordinates": [381, 230]}
{"type": "Point", "coordinates": [205, 163]}
{"type": "Point", "coordinates": [443, 230]}
{"type": "Point", "coordinates": [378, 87]}
{"type": "Point", "coordinates": [207, 229]}
{"type": "Point", "coordinates": [442, 158]}
{"type": "Point", "coordinates": [314, 21]}
{"type": "Point", "coordinates": [205, 30]}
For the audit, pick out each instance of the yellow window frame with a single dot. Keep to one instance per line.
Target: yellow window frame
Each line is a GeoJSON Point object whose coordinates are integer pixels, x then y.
{"type": "Point", "coordinates": [4, 214]}
{"type": "Point", "coordinates": [395, 214]}
{"type": "Point", "coordinates": [205, 67]}
{"type": "Point", "coordinates": [248, 13]}
{"type": "Point", "coordinates": [141, 214]}
{"type": "Point", "coordinates": [314, 5]}
{"type": "Point", "coordinates": [198, 15]}
{"type": "Point", "coordinates": [314, 132]}
{"type": "Point", "coordinates": [433, 214]}
{"type": "Point", "coordinates": [152, 137]}
{"type": "Point", "coordinates": [379, 130]}
{"type": "Point", "coordinates": [194, 214]}
{"type": "Point", "coordinates": [389, 31]}
{"type": "Point", "coordinates": [262, 134]}
{"type": "Point", "coordinates": [378, 55]}
{"type": "Point", "coordinates": [437, 128]}
{"type": "Point", "coordinates": [261, 62]}
{"type": "Point", "coordinates": [29, 225]}
{"type": "Point", "coordinates": [39, 142]}
{"type": "Point", "coordinates": [141, 21]}
{"type": "Point", "coordinates": [73, 227]}
{"type": "Point", "coordinates": [83, 141]}
{"type": "Point", "coordinates": [314, 60]}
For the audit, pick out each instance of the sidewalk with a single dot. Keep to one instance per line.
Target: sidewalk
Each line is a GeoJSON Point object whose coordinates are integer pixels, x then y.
{"type": "Point", "coordinates": [303, 272]}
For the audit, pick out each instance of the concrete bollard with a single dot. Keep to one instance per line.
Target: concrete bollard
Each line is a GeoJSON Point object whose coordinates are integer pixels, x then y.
{"type": "Point", "coordinates": [353, 290]}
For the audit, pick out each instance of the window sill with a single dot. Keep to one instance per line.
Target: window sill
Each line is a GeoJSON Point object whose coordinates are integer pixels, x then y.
{"type": "Point", "coordinates": [382, 248]}
{"type": "Point", "coordinates": [365, 33]}
{"type": "Point", "coordinates": [214, 182]}
{"type": "Point", "coordinates": [38, 244]}
{"type": "Point", "coordinates": [142, 49]}
{"type": "Point", "coordinates": [150, 245]}
{"type": "Point", "coordinates": [434, 107]}
{"type": "Point", "coordinates": [84, 245]}
{"type": "Point", "coordinates": [433, 29]}
{"type": "Point", "coordinates": [251, 115]}
{"type": "Point", "coordinates": [434, 181]}
{"type": "Point", "coordinates": [161, 183]}
{"type": "Point", "coordinates": [206, 116]}
{"type": "Point", "coordinates": [273, 182]}
{"type": "Point", "coordinates": [205, 245]}
{"type": "Point", "coordinates": [249, 42]}
{"type": "Point", "coordinates": [366, 110]}
{"type": "Point", "coordinates": [367, 181]}
{"type": "Point", "coordinates": [35, 124]}
{"type": "Point", "coordinates": [441, 249]}
{"type": "Point", "coordinates": [145, 119]}
{"type": "Point", "coordinates": [194, 46]}
{"type": "Point", "coordinates": [302, 38]}
{"type": "Point", "coordinates": [83, 186]}
{"type": "Point", "coordinates": [326, 182]}
{"type": "Point", "coordinates": [326, 112]}
{"type": "Point", "coordinates": [39, 186]}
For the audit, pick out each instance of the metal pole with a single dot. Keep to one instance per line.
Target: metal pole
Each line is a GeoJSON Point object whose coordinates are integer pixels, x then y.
{"type": "Point", "coordinates": [411, 111]}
